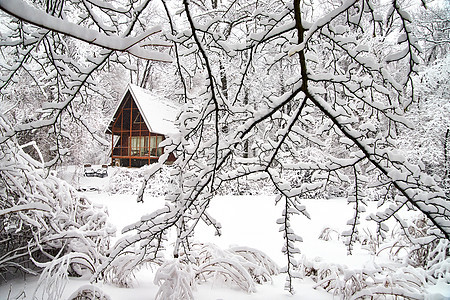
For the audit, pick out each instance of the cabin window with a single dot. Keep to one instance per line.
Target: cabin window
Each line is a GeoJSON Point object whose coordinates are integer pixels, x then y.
{"type": "Point", "coordinates": [159, 140]}
{"type": "Point", "coordinates": [139, 146]}
{"type": "Point", "coordinates": [155, 150]}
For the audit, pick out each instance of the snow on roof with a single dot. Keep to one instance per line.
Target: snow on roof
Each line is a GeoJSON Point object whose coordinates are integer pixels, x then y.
{"type": "Point", "coordinates": [158, 113]}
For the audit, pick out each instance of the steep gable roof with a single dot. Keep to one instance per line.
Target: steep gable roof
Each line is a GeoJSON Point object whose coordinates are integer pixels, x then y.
{"type": "Point", "coordinates": [159, 114]}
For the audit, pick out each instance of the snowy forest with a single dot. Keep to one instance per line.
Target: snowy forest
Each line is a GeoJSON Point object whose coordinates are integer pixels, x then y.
{"type": "Point", "coordinates": [302, 102]}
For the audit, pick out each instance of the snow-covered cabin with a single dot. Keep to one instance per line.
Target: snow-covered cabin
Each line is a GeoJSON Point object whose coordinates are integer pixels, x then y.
{"type": "Point", "coordinates": [140, 123]}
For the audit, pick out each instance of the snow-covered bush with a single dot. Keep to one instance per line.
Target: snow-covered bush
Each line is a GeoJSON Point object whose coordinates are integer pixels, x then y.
{"type": "Point", "coordinates": [129, 181]}
{"type": "Point", "coordinates": [138, 247]}
{"type": "Point", "coordinates": [438, 262]}
{"type": "Point", "coordinates": [242, 267]}
{"type": "Point", "coordinates": [376, 281]}
{"type": "Point", "coordinates": [245, 186]}
{"type": "Point", "coordinates": [260, 266]}
{"type": "Point", "coordinates": [46, 226]}
{"type": "Point", "coordinates": [228, 271]}
{"type": "Point", "coordinates": [176, 280]}
{"type": "Point", "coordinates": [262, 186]}
{"type": "Point", "coordinates": [88, 292]}
{"type": "Point", "coordinates": [55, 273]}
{"type": "Point", "coordinates": [411, 244]}
{"type": "Point", "coordinates": [121, 271]}
{"type": "Point", "coordinates": [423, 251]}
{"type": "Point", "coordinates": [411, 261]}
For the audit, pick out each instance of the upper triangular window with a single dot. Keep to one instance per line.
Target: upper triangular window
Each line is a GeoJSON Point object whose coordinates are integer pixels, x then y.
{"type": "Point", "coordinates": [139, 119]}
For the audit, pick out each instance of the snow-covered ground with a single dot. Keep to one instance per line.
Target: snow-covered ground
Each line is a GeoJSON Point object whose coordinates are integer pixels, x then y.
{"type": "Point", "coordinates": [246, 221]}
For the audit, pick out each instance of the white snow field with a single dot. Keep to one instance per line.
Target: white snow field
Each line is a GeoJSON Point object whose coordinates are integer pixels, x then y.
{"type": "Point", "coordinates": [246, 221]}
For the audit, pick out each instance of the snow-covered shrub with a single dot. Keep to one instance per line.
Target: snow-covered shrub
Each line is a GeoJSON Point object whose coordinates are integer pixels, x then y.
{"type": "Point", "coordinates": [260, 266]}
{"type": "Point", "coordinates": [226, 270]}
{"type": "Point", "coordinates": [245, 186]}
{"type": "Point", "coordinates": [425, 251]}
{"type": "Point", "coordinates": [254, 185]}
{"type": "Point", "coordinates": [175, 280]}
{"type": "Point", "coordinates": [242, 267]}
{"type": "Point", "coordinates": [140, 246]}
{"type": "Point", "coordinates": [401, 282]}
{"type": "Point", "coordinates": [421, 246]}
{"type": "Point", "coordinates": [214, 264]}
{"type": "Point", "coordinates": [413, 244]}
{"type": "Point", "coordinates": [121, 271]}
{"type": "Point", "coordinates": [46, 226]}
{"type": "Point", "coordinates": [88, 292]}
{"type": "Point", "coordinates": [129, 181]}
{"type": "Point", "coordinates": [413, 261]}
{"type": "Point", "coordinates": [54, 276]}
{"type": "Point", "coordinates": [125, 181]}
{"type": "Point", "coordinates": [438, 262]}
{"type": "Point", "coordinates": [376, 281]}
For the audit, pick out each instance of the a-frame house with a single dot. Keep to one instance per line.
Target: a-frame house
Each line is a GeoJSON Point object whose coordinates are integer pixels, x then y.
{"type": "Point", "coordinates": [140, 123]}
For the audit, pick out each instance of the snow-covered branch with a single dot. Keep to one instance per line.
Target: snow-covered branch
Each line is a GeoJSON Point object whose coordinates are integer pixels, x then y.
{"type": "Point", "coordinates": [29, 14]}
